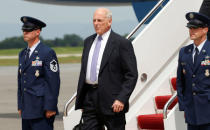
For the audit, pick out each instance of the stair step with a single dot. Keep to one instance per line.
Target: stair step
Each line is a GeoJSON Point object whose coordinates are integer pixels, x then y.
{"type": "Point", "coordinates": [151, 121]}
{"type": "Point", "coordinates": [160, 101]}
{"type": "Point", "coordinates": [173, 83]}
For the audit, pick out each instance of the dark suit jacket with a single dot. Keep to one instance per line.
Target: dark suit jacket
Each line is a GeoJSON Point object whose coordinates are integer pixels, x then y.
{"type": "Point", "coordinates": [117, 75]}
{"type": "Point", "coordinates": [38, 82]}
{"type": "Point", "coordinates": [193, 85]}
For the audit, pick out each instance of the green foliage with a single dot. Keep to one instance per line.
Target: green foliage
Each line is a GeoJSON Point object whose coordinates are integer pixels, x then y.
{"type": "Point", "coordinates": [13, 42]}
{"type": "Point", "coordinates": [69, 40]}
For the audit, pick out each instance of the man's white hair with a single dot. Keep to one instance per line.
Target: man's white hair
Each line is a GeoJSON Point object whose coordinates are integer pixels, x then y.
{"type": "Point", "coordinates": [108, 13]}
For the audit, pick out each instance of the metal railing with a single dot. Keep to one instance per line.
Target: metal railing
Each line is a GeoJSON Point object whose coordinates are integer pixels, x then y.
{"type": "Point", "coordinates": [159, 4]}
{"type": "Point", "coordinates": [170, 101]}
{"type": "Point", "coordinates": [65, 113]}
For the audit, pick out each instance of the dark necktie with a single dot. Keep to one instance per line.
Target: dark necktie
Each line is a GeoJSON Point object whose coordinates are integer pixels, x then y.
{"type": "Point", "coordinates": [196, 55]}
{"type": "Point", "coordinates": [27, 55]}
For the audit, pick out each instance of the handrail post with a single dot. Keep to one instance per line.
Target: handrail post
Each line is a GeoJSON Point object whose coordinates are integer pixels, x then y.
{"type": "Point", "coordinates": [68, 103]}
{"type": "Point", "coordinates": [170, 101]}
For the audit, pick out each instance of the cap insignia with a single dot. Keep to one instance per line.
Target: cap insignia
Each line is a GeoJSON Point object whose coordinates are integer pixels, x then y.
{"type": "Point", "coordinates": [24, 19]}
{"type": "Point", "coordinates": [191, 15]}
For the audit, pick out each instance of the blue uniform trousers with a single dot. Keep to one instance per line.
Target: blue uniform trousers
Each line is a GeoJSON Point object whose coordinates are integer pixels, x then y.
{"type": "Point", "coordinates": [38, 124]}
{"type": "Point", "coordinates": [198, 127]}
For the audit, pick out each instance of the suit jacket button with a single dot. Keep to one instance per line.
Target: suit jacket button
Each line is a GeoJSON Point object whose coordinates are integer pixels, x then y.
{"type": "Point", "coordinates": [24, 81]}
{"type": "Point", "coordinates": [194, 93]}
{"type": "Point", "coordinates": [24, 73]}
{"type": "Point", "coordinates": [25, 89]}
{"type": "Point", "coordinates": [193, 76]}
{"type": "Point", "coordinates": [193, 84]}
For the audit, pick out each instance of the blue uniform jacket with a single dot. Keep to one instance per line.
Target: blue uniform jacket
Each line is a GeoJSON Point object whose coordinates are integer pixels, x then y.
{"type": "Point", "coordinates": [193, 85]}
{"type": "Point", "coordinates": [38, 82]}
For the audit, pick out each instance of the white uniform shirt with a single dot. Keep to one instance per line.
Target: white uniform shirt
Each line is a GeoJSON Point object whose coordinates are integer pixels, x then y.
{"type": "Point", "coordinates": [199, 48]}
{"type": "Point", "coordinates": [33, 48]}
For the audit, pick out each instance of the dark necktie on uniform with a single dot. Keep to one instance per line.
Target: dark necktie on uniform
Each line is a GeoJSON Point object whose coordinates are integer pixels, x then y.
{"type": "Point", "coordinates": [27, 55]}
{"type": "Point", "coordinates": [196, 55]}
{"type": "Point", "coordinates": [93, 75]}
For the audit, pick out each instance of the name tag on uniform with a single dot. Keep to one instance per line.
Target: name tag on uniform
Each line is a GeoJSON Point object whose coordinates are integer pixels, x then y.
{"type": "Point", "coordinates": [36, 63]}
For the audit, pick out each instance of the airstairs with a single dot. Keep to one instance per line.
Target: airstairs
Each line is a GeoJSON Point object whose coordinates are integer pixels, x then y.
{"type": "Point", "coordinates": [153, 104]}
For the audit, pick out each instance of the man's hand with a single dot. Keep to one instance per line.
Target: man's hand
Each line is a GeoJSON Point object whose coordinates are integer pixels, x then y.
{"type": "Point", "coordinates": [19, 112]}
{"type": "Point", "coordinates": [117, 106]}
{"type": "Point", "coordinates": [48, 114]}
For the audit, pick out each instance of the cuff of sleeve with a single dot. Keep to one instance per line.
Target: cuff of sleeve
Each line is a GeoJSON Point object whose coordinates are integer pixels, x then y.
{"type": "Point", "coordinates": [50, 105]}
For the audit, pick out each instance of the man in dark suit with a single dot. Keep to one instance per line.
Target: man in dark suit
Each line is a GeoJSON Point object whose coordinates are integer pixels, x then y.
{"type": "Point", "coordinates": [205, 9]}
{"type": "Point", "coordinates": [193, 74]}
{"type": "Point", "coordinates": [107, 78]}
{"type": "Point", "coordinates": [38, 79]}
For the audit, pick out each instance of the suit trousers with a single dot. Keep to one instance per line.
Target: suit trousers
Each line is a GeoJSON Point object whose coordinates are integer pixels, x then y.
{"type": "Point", "coordinates": [93, 119]}
{"type": "Point", "coordinates": [198, 127]}
{"type": "Point", "coordinates": [38, 124]}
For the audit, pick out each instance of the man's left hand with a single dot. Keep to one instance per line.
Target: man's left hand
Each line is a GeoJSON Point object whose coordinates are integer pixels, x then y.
{"type": "Point", "coordinates": [48, 114]}
{"type": "Point", "coordinates": [117, 106]}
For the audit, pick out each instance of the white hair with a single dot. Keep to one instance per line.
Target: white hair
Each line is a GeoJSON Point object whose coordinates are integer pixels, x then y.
{"type": "Point", "coordinates": [108, 13]}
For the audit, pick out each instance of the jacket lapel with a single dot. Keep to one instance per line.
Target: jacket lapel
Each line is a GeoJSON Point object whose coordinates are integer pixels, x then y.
{"type": "Point", "coordinates": [189, 51]}
{"type": "Point", "coordinates": [22, 59]}
{"type": "Point", "coordinates": [33, 56]}
{"type": "Point", "coordinates": [86, 51]}
{"type": "Point", "coordinates": [201, 55]}
{"type": "Point", "coordinates": [107, 51]}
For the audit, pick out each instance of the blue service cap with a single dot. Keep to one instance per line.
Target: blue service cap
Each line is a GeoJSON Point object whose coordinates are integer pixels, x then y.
{"type": "Point", "coordinates": [197, 20]}
{"type": "Point", "coordinates": [30, 23]}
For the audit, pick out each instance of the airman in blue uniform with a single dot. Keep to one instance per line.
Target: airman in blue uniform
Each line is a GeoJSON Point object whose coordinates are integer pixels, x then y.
{"type": "Point", "coordinates": [38, 79]}
{"type": "Point", "coordinates": [193, 74]}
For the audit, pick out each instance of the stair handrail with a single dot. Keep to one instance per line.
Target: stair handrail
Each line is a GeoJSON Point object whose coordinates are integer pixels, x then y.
{"type": "Point", "coordinates": [146, 18]}
{"type": "Point", "coordinates": [65, 113]}
{"type": "Point", "coordinates": [128, 37]}
{"type": "Point", "coordinates": [170, 101]}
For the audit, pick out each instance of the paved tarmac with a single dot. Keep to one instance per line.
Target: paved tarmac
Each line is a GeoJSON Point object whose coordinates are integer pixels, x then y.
{"type": "Point", "coordinates": [9, 119]}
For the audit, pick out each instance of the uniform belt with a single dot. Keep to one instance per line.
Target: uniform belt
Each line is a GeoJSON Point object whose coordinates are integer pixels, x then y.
{"type": "Point", "coordinates": [92, 85]}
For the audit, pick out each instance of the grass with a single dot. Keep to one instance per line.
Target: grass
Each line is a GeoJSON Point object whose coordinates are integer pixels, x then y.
{"type": "Point", "coordinates": [9, 52]}
{"type": "Point", "coordinates": [68, 50]}
{"type": "Point", "coordinates": [70, 59]}
{"type": "Point", "coordinates": [58, 50]}
{"type": "Point", "coordinates": [61, 60]}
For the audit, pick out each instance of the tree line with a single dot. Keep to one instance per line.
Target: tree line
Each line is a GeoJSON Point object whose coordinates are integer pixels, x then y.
{"type": "Point", "coordinates": [71, 40]}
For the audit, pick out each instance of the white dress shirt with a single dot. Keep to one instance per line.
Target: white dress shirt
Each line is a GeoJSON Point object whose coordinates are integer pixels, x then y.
{"type": "Point", "coordinates": [33, 48]}
{"type": "Point", "coordinates": [199, 48]}
{"type": "Point", "coordinates": [105, 37]}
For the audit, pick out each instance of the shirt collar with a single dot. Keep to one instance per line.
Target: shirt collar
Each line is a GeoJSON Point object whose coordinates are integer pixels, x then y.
{"type": "Point", "coordinates": [200, 46]}
{"type": "Point", "coordinates": [33, 48]}
{"type": "Point", "coordinates": [105, 35]}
